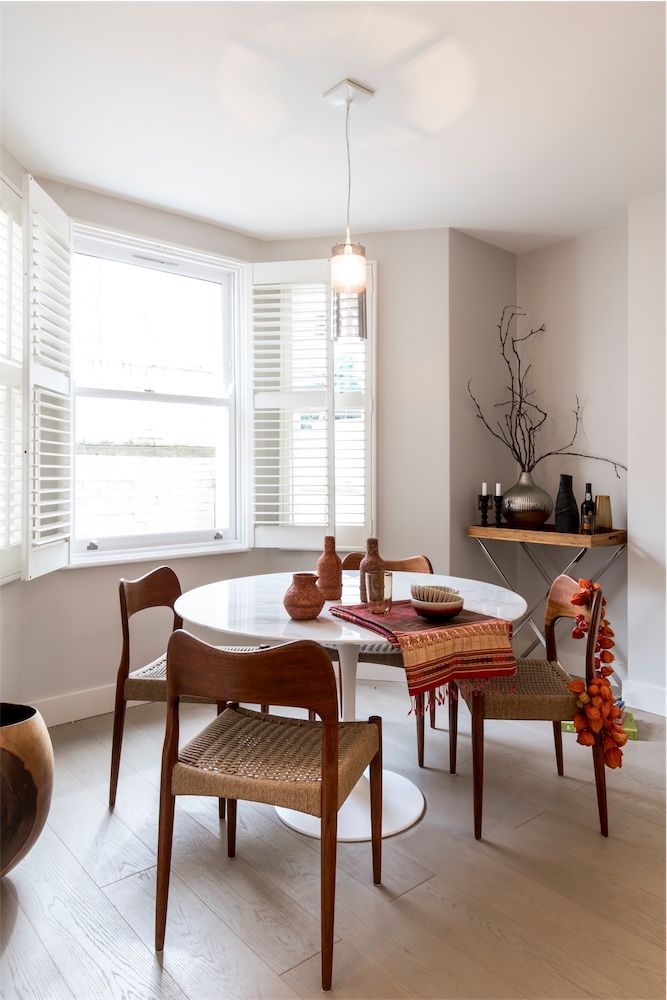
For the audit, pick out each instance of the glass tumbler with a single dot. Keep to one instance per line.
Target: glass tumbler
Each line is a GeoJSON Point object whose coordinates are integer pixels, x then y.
{"type": "Point", "coordinates": [378, 591]}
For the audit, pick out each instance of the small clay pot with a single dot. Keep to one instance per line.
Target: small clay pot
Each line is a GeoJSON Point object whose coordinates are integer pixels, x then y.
{"type": "Point", "coordinates": [330, 571]}
{"type": "Point", "coordinates": [26, 781]}
{"type": "Point", "coordinates": [303, 600]}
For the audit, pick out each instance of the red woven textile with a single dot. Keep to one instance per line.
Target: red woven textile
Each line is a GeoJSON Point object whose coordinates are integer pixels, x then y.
{"type": "Point", "coordinates": [469, 647]}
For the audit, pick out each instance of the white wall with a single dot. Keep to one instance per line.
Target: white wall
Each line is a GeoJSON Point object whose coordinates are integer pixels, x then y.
{"type": "Point", "coordinates": [646, 453]}
{"type": "Point", "coordinates": [578, 288]}
{"type": "Point", "coordinates": [412, 386]}
{"type": "Point", "coordinates": [482, 281]}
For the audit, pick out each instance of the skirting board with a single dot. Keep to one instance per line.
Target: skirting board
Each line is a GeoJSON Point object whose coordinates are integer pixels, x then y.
{"type": "Point", "coordinates": [98, 701]}
{"type": "Point", "coordinates": [645, 697]}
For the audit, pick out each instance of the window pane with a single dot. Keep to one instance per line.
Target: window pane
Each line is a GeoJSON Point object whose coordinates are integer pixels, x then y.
{"type": "Point", "coordinates": [147, 467]}
{"type": "Point", "coordinates": [140, 328]}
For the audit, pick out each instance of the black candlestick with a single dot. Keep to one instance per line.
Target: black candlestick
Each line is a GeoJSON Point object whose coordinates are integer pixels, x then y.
{"type": "Point", "coordinates": [483, 506]}
{"type": "Point", "coordinates": [498, 504]}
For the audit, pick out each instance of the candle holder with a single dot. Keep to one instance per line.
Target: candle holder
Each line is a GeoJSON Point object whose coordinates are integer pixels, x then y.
{"type": "Point", "coordinates": [483, 506]}
{"type": "Point", "coordinates": [498, 504]}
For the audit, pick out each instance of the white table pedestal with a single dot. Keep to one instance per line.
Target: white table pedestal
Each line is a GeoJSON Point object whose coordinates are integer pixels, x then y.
{"type": "Point", "coordinates": [402, 805]}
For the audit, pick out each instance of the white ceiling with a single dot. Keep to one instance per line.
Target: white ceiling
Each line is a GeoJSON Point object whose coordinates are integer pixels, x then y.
{"type": "Point", "coordinates": [523, 123]}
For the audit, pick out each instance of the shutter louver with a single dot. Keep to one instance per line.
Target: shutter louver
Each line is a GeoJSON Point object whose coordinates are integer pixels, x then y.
{"type": "Point", "coordinates": [312, 414]}
{"type": "Point", "coordinates": [11, 382]}
{"type": "Point", "coordinates": [48, 265]}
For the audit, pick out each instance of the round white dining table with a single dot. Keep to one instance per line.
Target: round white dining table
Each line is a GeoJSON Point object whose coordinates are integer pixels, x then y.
{"type": "Point", "coordinates": [251, 607]}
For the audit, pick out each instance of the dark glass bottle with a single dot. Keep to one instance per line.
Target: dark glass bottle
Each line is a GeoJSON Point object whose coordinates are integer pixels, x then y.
{"type": "Point", "coordinates": [588, 512]}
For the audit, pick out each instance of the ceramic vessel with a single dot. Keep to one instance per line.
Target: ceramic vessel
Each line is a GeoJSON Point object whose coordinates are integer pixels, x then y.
{"type": "Point", "coordinates": [371, 563]}
{"type": "Point", "coordinates": [330, 571]}
{"type": "Point", "coordinates": [26, 781]}
{"type": "Point", "coordinates": [566, 516]}
{"type": "Point", "coordinates": [526, 505]}
{"type": "Point", "coordinates": [303, 599]}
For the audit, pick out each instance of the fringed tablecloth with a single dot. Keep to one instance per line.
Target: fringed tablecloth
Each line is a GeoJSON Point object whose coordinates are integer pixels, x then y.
{"type": "Point", "coordinates": [469, 647]}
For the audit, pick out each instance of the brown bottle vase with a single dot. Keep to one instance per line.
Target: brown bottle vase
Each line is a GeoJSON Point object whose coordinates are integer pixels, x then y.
{"type": "Point", "coordinates": [330, 571]}
{"type": "Point", "coordinates": [371, 563]}
{"type": "Point", "coordinates": [303, 599]}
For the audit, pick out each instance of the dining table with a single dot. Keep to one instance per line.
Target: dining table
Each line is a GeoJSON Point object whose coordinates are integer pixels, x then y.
{"type": "Point", "coordinates": [250, 609]}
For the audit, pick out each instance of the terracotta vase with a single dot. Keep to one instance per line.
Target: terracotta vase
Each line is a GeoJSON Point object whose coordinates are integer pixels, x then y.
{"type": "Point", "coordinates": [26, 781]}
{"type": "Point", "coordinates": [303, 599]}
{"type": "Point", "coordinates": [371, 563]}
{"type": "Point", "coordinates": [330, 571]}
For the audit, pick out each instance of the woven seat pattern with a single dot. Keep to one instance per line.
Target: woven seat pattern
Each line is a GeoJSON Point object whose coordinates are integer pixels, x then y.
{"type": "Point", "coordinates": [538, 691]}
{"type": "Point", "coordinates": [267, 758]}
{"type": "Point", "coordinates": [373, 652]}
{"type": "Point", "coordinates": [149, 683]}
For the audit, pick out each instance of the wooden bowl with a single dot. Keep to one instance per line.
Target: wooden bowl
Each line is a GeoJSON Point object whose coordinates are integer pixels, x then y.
{"type": "Point", "coordinates": [438, 610]}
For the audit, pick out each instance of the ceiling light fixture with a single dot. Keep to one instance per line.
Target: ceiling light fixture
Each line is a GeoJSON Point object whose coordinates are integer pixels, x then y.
{"type": "Point", "coordinates": [348, 260]}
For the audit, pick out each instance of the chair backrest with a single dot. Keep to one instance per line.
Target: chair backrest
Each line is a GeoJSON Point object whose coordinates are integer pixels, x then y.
{"type": "Point", "coordinates": [157, 589]}
{"type": "Point", "coordinates": [559, 605]}
{"type": "Point", "coordinates": [413, 564]}
{"type": "Point", "coordinates": [296, 674]}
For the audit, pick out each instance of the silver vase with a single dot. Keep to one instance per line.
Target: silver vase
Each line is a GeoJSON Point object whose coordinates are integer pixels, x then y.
{"type": "Point", "coordinates": [526, 505]}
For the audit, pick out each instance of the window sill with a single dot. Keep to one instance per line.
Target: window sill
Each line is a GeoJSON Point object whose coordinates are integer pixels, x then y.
{"type": "Point", "coordinates": [125, 556]}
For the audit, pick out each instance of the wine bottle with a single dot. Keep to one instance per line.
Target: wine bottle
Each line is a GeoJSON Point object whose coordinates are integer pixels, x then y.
{"type": "Point", "coordinates": [588, 512]}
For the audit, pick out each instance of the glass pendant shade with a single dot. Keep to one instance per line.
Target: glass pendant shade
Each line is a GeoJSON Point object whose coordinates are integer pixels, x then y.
{"type": "Point", "coordinates": [348, 287]}
{"type": "Point", "coordinates": [348, 268]}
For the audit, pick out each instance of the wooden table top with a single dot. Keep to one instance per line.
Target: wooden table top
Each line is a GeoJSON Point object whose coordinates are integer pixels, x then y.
{"type": "Point", "coordinates": [547, 535]}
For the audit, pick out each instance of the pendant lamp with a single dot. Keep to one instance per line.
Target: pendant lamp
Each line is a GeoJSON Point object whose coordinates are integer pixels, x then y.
{"type": "Point", "coordinates": [348, 259]}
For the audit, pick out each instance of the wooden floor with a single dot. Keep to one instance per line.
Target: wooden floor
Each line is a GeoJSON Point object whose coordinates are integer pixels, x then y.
{"type": "Point", "coordinates": [542, 907]}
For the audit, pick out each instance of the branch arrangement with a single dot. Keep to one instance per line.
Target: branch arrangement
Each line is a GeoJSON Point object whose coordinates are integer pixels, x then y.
{"type": "Point", "coordinates": [523, 418]}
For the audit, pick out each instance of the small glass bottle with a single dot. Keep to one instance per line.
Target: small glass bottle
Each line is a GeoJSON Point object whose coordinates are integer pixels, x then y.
{"type": "Point", "coordinates": [588, 512]}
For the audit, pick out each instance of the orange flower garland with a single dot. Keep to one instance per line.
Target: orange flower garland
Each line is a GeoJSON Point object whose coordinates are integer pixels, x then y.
{"type": "Point", "coordinates": [599, 718]}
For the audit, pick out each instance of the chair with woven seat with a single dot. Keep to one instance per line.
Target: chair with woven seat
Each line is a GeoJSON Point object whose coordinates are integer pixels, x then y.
{"type": "Point", "coordinates": [379, 652]}
{"type": "Point", "coordinates": [539, 691]}
{"type": "Point", "coordinates": [157, 589]}
{"type": "Point", "coordinates": [308, 766]}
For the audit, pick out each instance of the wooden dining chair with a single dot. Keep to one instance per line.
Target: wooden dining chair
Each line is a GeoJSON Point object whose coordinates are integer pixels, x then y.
{"type": "Point", "coordinates": [158, 589]}
{"type": "Point", "coordinates": [377, 652]}
{"type": "Point", "coordinates": [538, 691]}
{"type": "Point", "coordinates": [308, 766]}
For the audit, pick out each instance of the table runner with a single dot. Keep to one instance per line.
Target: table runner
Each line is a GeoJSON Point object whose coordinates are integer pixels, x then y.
{"type": "Point", "coordinates": [470, 647]}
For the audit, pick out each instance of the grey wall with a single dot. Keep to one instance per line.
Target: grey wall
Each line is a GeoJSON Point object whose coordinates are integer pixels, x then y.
{"type": "Point", "coordinates": [482, 280]}
{"type": "Point", "coordinates": [578, 288]}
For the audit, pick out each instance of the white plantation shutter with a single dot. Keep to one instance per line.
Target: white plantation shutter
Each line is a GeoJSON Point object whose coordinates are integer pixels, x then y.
{"type": "Point", "coordinates": [11, 381]}
{"type": "Point", "coordinates": [312, 404]}
{"type": "Point", "coordinates": [49, 409]}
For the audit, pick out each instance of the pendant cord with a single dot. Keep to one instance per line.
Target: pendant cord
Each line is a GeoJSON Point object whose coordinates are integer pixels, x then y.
{"type": "Point", "coordinates": [349, 167]}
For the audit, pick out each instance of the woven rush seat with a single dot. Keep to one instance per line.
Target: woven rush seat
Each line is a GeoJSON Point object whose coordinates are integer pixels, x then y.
{"type": "Point", "coordinates": [538, 691]}
{"type": "Point", "coordinates": [149, 683]}
{"type": "Point", "coordinates": [268, 758]}
{"type": "Point", "coordinates": [373, 652]}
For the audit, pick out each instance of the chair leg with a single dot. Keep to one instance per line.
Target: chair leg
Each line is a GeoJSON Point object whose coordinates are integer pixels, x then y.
{"type": "Point", "coordinates": [478, 758]}
{"type": "Point", "coordinates": [231, 828]}
{"type": "Point", "coordinates": [264, 708]}
{"type": "Point", "coordinates": [558, 743]}
{"type": "Point", "coordinates": [118, 727]}
{"type": "Point", "coordinates": [419, 719]}
{"type": "Point", "coordinates": [311, 715]}
{"type": "Point", "coordinates": [376, 805]}
{"type": "Point", "coordinates": [453, 699]}
{"type": "Point", "coordinates": [328, 888]}
{"type": "Point", "coordinates": [601, 787]}
{"type": "Point", "coordinates": [165, 836]}
{"type": "Point", "coordinates": [431, 712]}
{"type": "Point", "coordinates": [222, 705]}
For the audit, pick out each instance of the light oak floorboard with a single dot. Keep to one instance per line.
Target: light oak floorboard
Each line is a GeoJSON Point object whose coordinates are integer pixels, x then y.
{"type": "Point", "coordinates": [514, 915]}
{"type": "Point", "coordinates": [201, 953]}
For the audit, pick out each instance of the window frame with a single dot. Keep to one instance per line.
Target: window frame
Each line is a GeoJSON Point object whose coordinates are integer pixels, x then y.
{"type": "Point", "coordinates": [233, 276]}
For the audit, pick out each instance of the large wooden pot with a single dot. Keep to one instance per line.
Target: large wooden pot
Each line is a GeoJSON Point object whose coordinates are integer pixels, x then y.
{"type": "Point", "coordinates": [26, 781]}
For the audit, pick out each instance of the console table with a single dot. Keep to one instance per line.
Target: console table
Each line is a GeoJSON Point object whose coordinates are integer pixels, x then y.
{"type": "Point", "coordinates": [547, 535]}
